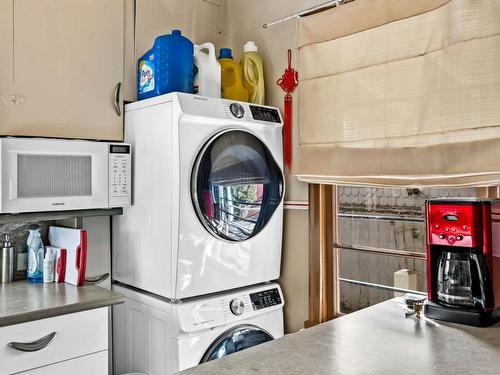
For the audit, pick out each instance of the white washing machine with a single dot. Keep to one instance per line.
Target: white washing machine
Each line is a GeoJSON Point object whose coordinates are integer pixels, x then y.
{"type": "Point", "coordinates": [207, 191]}
{"type": "Point", "coordinates": [156, 337]}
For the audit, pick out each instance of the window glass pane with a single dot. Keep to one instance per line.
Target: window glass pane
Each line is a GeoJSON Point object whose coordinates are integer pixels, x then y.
{"type": "Point", "coordinates": [237, 186]}
{"type": "Point", "coordinates": [381, 241]}
{"type": "Point", "coordinates": [376, 269]}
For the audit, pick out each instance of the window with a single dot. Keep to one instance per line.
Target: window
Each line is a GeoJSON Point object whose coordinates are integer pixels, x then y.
{"type": "Point", "coordinates": [381, 242]}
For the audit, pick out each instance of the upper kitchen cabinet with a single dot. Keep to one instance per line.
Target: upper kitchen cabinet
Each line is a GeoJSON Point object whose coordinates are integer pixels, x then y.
{"type": "Point", "coordinates": [6, 70]}
{"type": "Point", "coordinates": [68, 68]}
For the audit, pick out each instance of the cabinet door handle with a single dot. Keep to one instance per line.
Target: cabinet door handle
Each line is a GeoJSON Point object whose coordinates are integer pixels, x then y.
{"type": "Point", "coordinates": [33, 346]}
{"type": "Point", "coordinates": [117, 99]}
{"type": "Point", "coordinates": [92, 280]}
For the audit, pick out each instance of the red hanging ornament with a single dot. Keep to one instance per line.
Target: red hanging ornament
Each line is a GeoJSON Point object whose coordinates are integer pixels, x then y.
{"type": "Point", "coordinates": [288, 82]}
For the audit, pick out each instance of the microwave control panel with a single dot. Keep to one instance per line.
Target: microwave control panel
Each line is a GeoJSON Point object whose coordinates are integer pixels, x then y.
{"type": "Point", "coordinates": [120, 175]}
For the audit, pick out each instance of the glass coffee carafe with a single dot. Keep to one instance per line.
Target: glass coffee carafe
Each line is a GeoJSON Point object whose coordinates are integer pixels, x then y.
{"type": "Point", "coordinates": [454, 284]}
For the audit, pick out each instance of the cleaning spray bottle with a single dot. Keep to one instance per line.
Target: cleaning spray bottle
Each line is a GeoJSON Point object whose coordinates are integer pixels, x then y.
{"type": "Point", "coordinates": [253, 73]}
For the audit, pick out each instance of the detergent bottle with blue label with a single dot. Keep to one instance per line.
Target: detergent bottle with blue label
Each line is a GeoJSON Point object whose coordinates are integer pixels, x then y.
{"type": "Point", "coordinates": [166, 67]}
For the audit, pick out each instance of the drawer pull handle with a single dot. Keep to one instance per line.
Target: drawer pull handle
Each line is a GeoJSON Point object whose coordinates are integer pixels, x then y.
{"type": "Point", "coordinates": [117, 99]}
{"type": "Point", "coordinates": [92, 280]}
{"type": "Point", "coordinates": [33, 346]}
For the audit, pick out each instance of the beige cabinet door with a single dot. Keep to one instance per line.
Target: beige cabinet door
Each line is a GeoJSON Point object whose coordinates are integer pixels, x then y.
{"type": "Point", "coordinates": [6, 68]}
{"type": "Point", "coordinates": [68, 65]}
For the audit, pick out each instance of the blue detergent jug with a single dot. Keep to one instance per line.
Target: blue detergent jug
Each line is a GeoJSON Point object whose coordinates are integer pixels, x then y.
{"type": "Point", "coordinates": [166, 67]}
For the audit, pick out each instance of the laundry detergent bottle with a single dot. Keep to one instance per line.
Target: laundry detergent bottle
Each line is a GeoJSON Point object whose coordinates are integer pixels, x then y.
{"type": "Point", "coordinates": [253, 73]}
{"type": "Point", "coordinates": [35, 255]}
{"type": "Point", "coordinates": [208, 72]}
{"type": "Point", "coordinates": [231, 77]}
{"type": "Point", "coordinates": [166, 67]}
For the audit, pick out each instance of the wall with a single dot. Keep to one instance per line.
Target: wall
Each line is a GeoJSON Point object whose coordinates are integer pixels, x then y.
{"type": "Point", "coordinates": [245, 23]}
{"type": "Point", "coordinates": [199, 20]}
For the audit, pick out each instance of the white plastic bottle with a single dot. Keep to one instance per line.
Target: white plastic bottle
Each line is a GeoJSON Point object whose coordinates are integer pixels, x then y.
{"type": "Point", "coordinates": [48, 266]}
{"type": "Point", "coordinates": [253, 73]}
{"type": "Point", "coordinates": [207, 79]}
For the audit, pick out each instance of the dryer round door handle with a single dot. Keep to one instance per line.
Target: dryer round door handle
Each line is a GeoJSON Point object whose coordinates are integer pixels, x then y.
{"type": "Point", "coordinates": [237, 306]}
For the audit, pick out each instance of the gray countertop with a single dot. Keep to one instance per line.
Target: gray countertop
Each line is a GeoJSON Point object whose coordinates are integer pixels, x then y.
{"type": "Point", "coordinates": [22, 301]}
{"type": "Point", "coordinates": [376, 340]}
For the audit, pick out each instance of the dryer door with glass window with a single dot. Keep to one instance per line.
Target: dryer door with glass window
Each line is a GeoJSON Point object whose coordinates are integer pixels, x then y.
{"type": "Point", "coordinates": [236, 186]}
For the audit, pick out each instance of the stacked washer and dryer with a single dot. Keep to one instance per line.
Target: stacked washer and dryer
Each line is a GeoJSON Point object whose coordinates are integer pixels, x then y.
{"type": "Point", "coordinates": [196, 253]}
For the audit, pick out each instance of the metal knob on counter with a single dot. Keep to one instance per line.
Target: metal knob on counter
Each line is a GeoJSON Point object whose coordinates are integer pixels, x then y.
{"type": "Point", "coordinates": [7, 253]}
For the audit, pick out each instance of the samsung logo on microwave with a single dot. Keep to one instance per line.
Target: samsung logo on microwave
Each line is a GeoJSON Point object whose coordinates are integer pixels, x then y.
{"type": "Point", "coordinates": [58, 204]}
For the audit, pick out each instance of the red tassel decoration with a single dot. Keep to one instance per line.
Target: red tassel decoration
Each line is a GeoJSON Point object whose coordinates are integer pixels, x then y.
{"type": "Point", "coordinates": [288, 82]}
{"type": "Point", "coordinates": [287, 131]}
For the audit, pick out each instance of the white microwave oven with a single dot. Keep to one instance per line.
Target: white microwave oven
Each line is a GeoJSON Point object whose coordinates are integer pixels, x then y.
{"type": "Point", "coordinates": [56, 174]}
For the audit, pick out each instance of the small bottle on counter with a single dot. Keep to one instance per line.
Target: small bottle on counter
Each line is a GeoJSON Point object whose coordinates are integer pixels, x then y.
{"type": "Point", "coordinates": [35, 255]}
{"type": "Point", "coordinates": [48, 266]}
{"type": "Point", "coordinates": [7, 253]}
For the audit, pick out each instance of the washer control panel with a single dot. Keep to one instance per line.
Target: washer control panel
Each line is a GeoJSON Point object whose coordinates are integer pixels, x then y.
{"type": "Point", "coordinates": [265, 298]}
{"type": "Point", "coordinates": [120, 176]}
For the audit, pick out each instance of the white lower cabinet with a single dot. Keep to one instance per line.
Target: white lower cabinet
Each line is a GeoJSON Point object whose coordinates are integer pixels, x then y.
{"type": "Point", "coordinates": [92, 364]}
{"type": "Point", "coordinates": [60, 343]}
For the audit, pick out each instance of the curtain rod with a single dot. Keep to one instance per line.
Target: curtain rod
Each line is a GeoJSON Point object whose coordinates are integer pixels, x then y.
{"type": "Point", "coordinates": [328, 4]}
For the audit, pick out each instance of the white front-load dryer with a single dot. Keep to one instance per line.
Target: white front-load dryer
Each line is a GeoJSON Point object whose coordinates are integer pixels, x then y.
{"type": "Point", "coordinates": [207, 208]}
{"type": "Point", "coordinates": [155, 337]}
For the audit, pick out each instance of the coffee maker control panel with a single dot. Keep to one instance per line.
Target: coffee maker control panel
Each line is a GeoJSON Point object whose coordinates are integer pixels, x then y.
{"type": "Point", "coordinates": [454, 225]}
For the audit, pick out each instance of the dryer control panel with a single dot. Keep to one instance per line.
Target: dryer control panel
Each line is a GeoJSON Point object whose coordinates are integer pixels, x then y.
{"type": "Point", "coordinates": [265, 114]}
{"type": "Point", "coordinates": [249, 112]}
{"type": "Point", "coordinates": [265, 298]}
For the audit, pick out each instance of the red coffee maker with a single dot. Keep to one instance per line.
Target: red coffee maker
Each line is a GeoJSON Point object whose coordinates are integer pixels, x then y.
{"type": "Point", "coordinates": [463, 261]}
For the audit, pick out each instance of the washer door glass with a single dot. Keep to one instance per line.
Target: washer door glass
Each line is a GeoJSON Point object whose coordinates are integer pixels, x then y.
{"type": "Point", "coordinates": [237, 339]}
{"type": "Point", "coordinates": [236, 186]}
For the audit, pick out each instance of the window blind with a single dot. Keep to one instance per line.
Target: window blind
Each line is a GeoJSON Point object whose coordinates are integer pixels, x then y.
{"type": "Point", "coordinates": [400, 92]}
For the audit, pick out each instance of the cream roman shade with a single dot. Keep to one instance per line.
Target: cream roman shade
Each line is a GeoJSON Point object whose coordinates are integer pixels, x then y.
{"type": "Point", "coordinates": [400, 92]}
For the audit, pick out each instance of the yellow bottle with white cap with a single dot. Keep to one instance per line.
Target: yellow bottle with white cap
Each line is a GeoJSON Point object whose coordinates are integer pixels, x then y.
{"type": "Point", "coordinates": [253, 73]}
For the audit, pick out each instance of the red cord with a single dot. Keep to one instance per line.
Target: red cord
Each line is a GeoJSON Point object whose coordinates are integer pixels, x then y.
{"type": "Point", "coordinates": [287, 131]}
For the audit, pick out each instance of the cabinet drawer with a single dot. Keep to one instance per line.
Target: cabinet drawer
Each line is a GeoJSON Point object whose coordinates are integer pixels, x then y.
{"type": "Point", "coordinates": [76, 335]}
{"type": "Point", "coordinates": [95, 364]}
